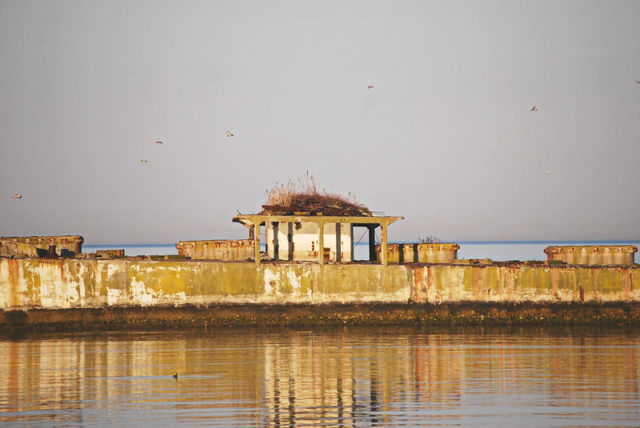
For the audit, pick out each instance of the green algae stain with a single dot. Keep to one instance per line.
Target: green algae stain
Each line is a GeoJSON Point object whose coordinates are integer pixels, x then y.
{"type": "Point", "coordinates": [31, 269]}
{"type": "Point", "coordinates": [360, 279]}
{"type": "Point", "coordinates": [102, 276]}
{"type": "Point", "coordinates": [159, 277]}
{"type": "Point", "coordinates": [492, 279]}
{"type": "Point", "coordinates": [227, 279]}
{"type": "Point", "coordinates": [534, 279]}
{"type": "Point", "coordinates": [88, 275]}
{"type": "Point", "coordinates": [611, 280]}
{"type": "Point", "coordinates": [468, 285]}
{"type": "Point", "coordinates": [586, 280]}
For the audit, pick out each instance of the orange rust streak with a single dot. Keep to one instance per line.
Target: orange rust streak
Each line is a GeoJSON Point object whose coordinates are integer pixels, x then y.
{"type": "Point", "coordinates": [418, 275]}
{"type": "Point", "coordinates": [14, 278]}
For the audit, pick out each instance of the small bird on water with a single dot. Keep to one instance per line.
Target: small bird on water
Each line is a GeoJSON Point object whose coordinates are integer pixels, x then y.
{"type": "Point", "coordinates": [370, 87]}
{"type": "Point", "coordinates": [229, 134]}
{"type": "Point", "coordinates": [17, 196]}
{"type": "Point", "coordinates": [159, 142]}
{"type": "Point", "coordinates": [534, 108]}
{"type": "Point", "coordinates": [144, 160]}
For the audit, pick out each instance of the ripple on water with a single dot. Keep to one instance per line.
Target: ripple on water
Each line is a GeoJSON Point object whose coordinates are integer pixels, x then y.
{"type": "Point", "coordinates": [332, 377]}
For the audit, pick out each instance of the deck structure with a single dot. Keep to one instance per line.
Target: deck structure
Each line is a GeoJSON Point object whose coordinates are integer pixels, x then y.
{"type": "Point", "coordinates": [273, 222]}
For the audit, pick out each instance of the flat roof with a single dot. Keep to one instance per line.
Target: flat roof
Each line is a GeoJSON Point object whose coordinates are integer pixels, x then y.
{"type": "Point", "coordinates": [253, 219]}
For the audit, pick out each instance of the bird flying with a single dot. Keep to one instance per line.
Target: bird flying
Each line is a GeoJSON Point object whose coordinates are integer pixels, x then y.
{"type": "Point", "coordinates": [638, 81]}
{"type": "Point", "coordinates": [534, 108]}
{"type": "Point", "coordinates": [17, 196]}
{"type": "Point", "coordinates": [229, 134]}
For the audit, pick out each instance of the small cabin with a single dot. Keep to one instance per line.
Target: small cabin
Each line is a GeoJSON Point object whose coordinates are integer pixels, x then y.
{"type": "Point", "coordinates": [312, 226]}
{"type": "Point", "coordinates": [307, 237]}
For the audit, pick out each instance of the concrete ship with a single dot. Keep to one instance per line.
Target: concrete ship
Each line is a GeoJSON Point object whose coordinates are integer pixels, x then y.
{"type": "Point", "coordinates": [307, 266]}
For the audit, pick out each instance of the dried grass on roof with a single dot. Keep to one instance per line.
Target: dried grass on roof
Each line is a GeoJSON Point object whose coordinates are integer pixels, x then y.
{"type": "Point", "coordinates": [304, 197]}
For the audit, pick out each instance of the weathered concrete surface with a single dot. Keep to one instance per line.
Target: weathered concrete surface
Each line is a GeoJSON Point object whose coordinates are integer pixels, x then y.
{"type": "Point", "coordinates": [370, 314]}
{"type": "Point", "coordinates": [9, 248]}
{"type": "Point", "coordinates": [73, 283]}
{"type": "Point", "coordinates": [420, 253]}
{"type": "Point", "coordinates": [224, 250]}
{"type": "Point", "coordinates": [592, 254]}
{"type": "Point", "coordinates": [67, 245]}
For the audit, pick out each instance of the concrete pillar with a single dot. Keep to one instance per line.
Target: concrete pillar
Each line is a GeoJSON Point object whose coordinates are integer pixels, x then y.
{"type": "Point", "coordinates": [372, 243]}
{"type": "Point", "coordinates": [290, 240]}
{"type": "Point", "coordinates": [383, 247]}
{"type": "Point", "coordinates": [51, 253]}
{"type": "Point", "coordinates": [276, 244]}
{"type": "Point", "coordinates": [257, 241]}
{"type": "Point", "coordinates": [321, 243]}
{"type": "Point", "coordinates": [352, 243]}
{"type": "Point", "coordinates": [338, 243]}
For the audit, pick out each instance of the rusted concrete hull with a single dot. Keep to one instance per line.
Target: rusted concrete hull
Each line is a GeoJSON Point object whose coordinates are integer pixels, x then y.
{"type": "Point", "coordinates": [369, 314]}
{"type": "Point", "coordinates": [67, 245]}
{"type": "Point", "coordinates": [420, 253]}
{"type": "Point", "coordinates": [592, 254]}
{"type": "Point", "coordinates": [223, 250]}
{"type": "Point", "coordinates": [73, 283]}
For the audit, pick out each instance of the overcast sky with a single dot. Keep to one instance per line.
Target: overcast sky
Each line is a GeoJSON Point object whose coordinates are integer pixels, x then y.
{"type": "Point", "coordinates": [445, 137]}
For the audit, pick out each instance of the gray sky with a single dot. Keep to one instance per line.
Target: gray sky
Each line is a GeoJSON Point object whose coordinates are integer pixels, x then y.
{"type": "Point", "coordinates": [445, 138]}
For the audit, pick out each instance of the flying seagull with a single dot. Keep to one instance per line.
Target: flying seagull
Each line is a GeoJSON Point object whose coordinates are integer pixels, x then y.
{"type": "Point", "coordinates": [17, 196]}
{"type": "Point", "coordinates": [534, 108]}
{"type": "Point", "coordinates": [370, 87]}
{"type": "Point", "coordinates": [229, 134]}
{"type": "Point", "coordinates": [159, 142]}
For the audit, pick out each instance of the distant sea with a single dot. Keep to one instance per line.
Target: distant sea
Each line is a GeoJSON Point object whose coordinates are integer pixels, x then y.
{"type": "Point", "coordinates": [499, 251]}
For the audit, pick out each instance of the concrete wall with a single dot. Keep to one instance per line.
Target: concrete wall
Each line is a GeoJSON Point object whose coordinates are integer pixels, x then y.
{"type": "Point", "coordinates": [67, 245]}
{"type": "Point", "coordinates": [420, 253]}
{"type": "Point", "coordinates": [9, 248]}
{"type": "Point", "coordinates": [592, 254]}
{"type": "Point", "coordinates": [225, 250]}
{"type": "Point", "coordinates": [68, 283]}
{"type": "Point", "coordinates": [305, 241]}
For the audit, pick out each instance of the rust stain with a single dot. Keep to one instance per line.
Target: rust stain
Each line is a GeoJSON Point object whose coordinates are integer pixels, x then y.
{"type": "Point", "coordinates": [14, 276]}
{"type": "Point", "coordinates": [224, 250]}
{"type": "Point", "coordinates": [554, 283]}
{"type": "Point", "coordinates": [418, 278]}
{"type": "Point", "coordinates": [63, 277]}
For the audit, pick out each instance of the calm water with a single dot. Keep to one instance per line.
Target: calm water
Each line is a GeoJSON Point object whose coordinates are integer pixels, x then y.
{"type": "Point", "coordinates": [335, 377]}
{"type": "Point", "coordinates": [500, 251]}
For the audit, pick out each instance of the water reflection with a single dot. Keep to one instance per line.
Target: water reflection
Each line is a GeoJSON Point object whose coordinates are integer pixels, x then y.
{"type": "Point", "coordinates": [345, 377]}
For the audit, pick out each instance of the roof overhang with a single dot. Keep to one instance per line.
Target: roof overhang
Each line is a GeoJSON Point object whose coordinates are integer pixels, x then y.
{"type": "Point", "coordinates": [258, 219]}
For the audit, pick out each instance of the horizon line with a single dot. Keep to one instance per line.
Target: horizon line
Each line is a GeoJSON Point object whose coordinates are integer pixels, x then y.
{"type": "Point", "coordinates": [577, 241]}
